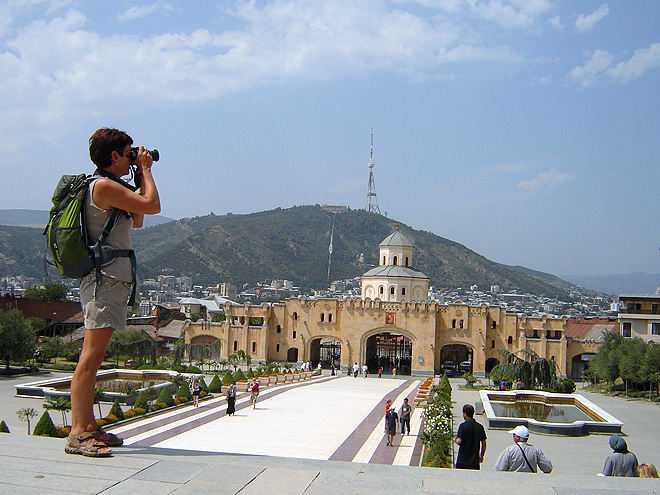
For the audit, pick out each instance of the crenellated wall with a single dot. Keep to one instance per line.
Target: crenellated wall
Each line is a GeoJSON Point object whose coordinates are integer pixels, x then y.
{"type": "Point", "coordinates": [282, 330]}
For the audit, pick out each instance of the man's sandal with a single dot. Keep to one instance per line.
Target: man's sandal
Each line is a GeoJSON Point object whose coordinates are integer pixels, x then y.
{"type": "Point", "coordinates": [86, 444]}
{"type": "Point", "coordinates": [110, 439]}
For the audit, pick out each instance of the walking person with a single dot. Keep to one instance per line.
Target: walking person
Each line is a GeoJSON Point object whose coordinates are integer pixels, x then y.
{"type": "Point", "coordinates": [471, 441]}
{"type": "Point", "coordinates": [621, 462]}
{"type": "Point", "coordinates": [391, 425]}
{"type": "Point", "coordinates": [365, 370]}
{"type": "Point", "coordinates": [522, 456]}
{"type": "Point", "coordinates": [254, 389]}
{"type": "Point", "coordinates": [231, 399]}
{"type": "Point", "coordinates": [405, 416]}
{"type": "Point", "coordinates": [196, 389]}
{"type": "Point", "coordinates": [394, 372]}
{"type": "Point", "coordinates": [104, 304]}
{"type": "Point", "coordinates": [356, 370]}
{"type": "Point", "coordinates": [380, 371]}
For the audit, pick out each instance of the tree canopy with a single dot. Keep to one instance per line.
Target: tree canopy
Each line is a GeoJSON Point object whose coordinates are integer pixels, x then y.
{"type": "Point", "coordinates": [49, 292]}
{"type": "Point", "coordinates": [17, 340]}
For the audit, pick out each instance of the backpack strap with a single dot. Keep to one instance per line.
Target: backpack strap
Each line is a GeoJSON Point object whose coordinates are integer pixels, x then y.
{"type": "Point", "coordinates": [525, 457]}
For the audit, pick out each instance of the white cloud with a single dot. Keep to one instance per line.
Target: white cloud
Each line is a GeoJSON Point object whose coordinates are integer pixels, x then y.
{"type": "Point", "coordinates": [601, 66]}
{"type": "Point", "coordinates": [555, 22]}
{"type": "Point", "coordinates": [596, 66]}
{"type": "Point", "coordinates": [512, 13]}
{"type": "Point", "coordinates": [543, 181]}
{"type": "Point", "coordinates": [586, 23]}
{"type": "Point", "coordinates": [642, 61]}
{"type": "Point", "coordinates": [142, 11]}
{"type": "Point", "coordinates": [58, 68]}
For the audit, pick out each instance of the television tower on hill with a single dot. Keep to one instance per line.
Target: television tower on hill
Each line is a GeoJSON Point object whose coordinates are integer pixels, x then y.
{"type": "Point", "coordinates": [372, 204]}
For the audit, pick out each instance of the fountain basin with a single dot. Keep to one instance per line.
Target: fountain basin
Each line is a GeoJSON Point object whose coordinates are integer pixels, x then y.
{"type": "Point", "coordinates": [123, 385]}
{"type": "Point", "coordinates": [545, 412]}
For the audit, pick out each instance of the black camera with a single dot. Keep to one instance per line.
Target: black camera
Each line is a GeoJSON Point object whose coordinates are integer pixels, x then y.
{"type": "Point", "coordinates": [134, 153]}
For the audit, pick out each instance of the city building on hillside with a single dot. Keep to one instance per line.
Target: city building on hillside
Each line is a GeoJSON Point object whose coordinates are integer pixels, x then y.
{"type": "Point", "coordinates": [207, 306]}
{"type": "Point", "coordinates": [639, 316]}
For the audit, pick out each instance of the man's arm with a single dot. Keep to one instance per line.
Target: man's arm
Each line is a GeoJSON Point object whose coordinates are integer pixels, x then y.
{"type": "Point", "coordinates": [543, 462]}
{"type": "Point", "coordinates": [483, 451]}
{"type": "Point", "coordinates": [502, 463]}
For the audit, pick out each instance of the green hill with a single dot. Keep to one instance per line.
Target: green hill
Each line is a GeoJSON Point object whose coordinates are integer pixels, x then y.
{"type": "Point", "coordinates": [291, 244]}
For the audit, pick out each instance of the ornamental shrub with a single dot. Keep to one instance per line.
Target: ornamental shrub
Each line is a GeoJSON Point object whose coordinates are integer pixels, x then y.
{"type": "Point", "coordinates": [111, 418]}
{"type": "Point", "coordinates": [215, 385]}
{"type": "Point", "coordinates": [45, 426]}
{"type": "Point", "coordinates": [229, 377]}
{"type": "Point", "coordinates": [178, 368]}
{"type": "Point", "coordinates": [165, 397]}
{"type": "Point", "coordinates": [3, 427]}
{"type": "Point", "coordinates": [239, 375]}
{"type": "Point", "coordinates": [142, 402]}
{"type": "Point", "coordinates": [194, 370]}
{"type": "Point", "coordinates": [116, 411]}
{"type": "Point", "coordinates": [203, 385]}
{"type": "Point", "coordinates": [184, 392]}
{"type": "Point", "coordinates": [250, 373]}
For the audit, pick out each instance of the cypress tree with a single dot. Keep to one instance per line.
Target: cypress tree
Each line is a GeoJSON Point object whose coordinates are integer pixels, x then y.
{"type": "Point", "coordinates": [214, 386]}
{"type": "Point", "coordinates": [184, 391]}
{"type": "Point", "coordinates": [141, 402]}
{"type": "Point", "coordinates": [116, 410]}
{"type": "Point", "coordinates": [45, 426]}
{"type": "Point", "coordinates": [166, 397]}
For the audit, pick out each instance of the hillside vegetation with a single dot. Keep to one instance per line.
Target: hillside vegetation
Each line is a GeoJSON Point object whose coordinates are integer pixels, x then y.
{"type": "Point", "coordinates": [288, 244]}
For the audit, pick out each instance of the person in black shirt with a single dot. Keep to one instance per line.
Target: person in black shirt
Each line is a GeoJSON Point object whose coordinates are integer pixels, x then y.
{"type": "Point", "coordinates": [469, 437]}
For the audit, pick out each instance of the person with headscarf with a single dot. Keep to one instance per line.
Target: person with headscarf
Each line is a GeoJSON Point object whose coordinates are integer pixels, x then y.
{"type": "Point", "coordinates": [621, 462]}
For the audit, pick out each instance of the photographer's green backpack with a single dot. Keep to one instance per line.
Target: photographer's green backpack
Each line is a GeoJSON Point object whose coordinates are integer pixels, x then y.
{"type": "Point", "coordinates": [66, 232]}
{"type": "Point", "coordinates": [66, 235]}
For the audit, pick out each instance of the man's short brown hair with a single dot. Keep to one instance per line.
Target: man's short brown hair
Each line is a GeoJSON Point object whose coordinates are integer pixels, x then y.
{"type": "Point", "coordinates": [103, 142]}
{"type": "Point", "coordinates": [468, 409]}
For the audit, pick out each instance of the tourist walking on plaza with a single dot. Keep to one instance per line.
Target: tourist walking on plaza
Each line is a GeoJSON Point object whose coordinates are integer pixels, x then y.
{"type": "Point", "coordinates": [405, 416]}
{"type": "Point", "coordinates": [196, 389]}
{"type": "Point", "coordinates": [471, 441]}
{"type": "Point", "coordinates": [394, 372]}
{"type": "Point", "coordinates": [522, 456]}
{"type": "Point", "coordinates": [391, 425]}
{"type": "Point", "coordinates": [380, 371]}
{"type": "Point", "coordinates": [621, 462]}
{"type": "Point", "coordinates": [365, 370]}
{"type": "Point", "coordinates": [254, 389]}
{"type": "Point", "coordinates": [231, 399]}
{"type": "Point", "coordinates": [356, 370]}
{"type": "Point", "coordinates": [105, 301]}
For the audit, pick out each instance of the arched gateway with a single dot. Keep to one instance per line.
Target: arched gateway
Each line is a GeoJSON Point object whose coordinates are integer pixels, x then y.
{"type": "Point", "coordinates": [325, 350]}
{"type": "Point", "coordinates": [389, 350]}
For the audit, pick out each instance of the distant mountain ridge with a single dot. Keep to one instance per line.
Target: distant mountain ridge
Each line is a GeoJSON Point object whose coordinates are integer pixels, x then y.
{"type": "Point", "coordinates": [629, 283]}
{"type": "Point", "coordinates": [39, 218]}
{"type": "Point", "coordinates": [289, 244]}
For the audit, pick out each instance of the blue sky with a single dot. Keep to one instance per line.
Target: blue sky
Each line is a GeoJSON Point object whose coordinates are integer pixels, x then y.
{"type": "Point", "coordinates": [527, 130]}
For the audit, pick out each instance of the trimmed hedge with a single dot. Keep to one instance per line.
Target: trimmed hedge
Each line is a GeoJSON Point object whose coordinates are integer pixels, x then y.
{"type": "Point", "coordinates": [45, 426]}
{"type": "Point", "coordinates": [215, 385]}
{"type": "Point", "coordinates": [3, 427]}
{"type": "Point", "coordinates": [184, 391]}
{"type": "Point", "coordinates": [116, 411]}
{"type": "Point", "coordinates": [165, 397]}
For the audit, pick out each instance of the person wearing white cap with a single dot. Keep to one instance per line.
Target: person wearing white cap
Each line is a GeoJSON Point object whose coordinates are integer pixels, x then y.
{"type": "Point", "coordinates": [522, 456]}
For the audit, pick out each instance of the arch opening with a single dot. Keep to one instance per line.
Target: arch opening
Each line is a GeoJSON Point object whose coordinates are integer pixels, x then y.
{"type": "Point", "coordinates": [325, 350]}
{"type": "Point", "coordinates": [389, 350]}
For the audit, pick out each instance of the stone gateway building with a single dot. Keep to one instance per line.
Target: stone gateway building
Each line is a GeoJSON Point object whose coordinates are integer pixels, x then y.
{"type": "Point", "coordinates": [385, 328]}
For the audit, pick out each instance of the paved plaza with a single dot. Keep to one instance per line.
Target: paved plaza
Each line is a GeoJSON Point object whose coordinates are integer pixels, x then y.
{"type": "Point", "coordinates": [320, 436]}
